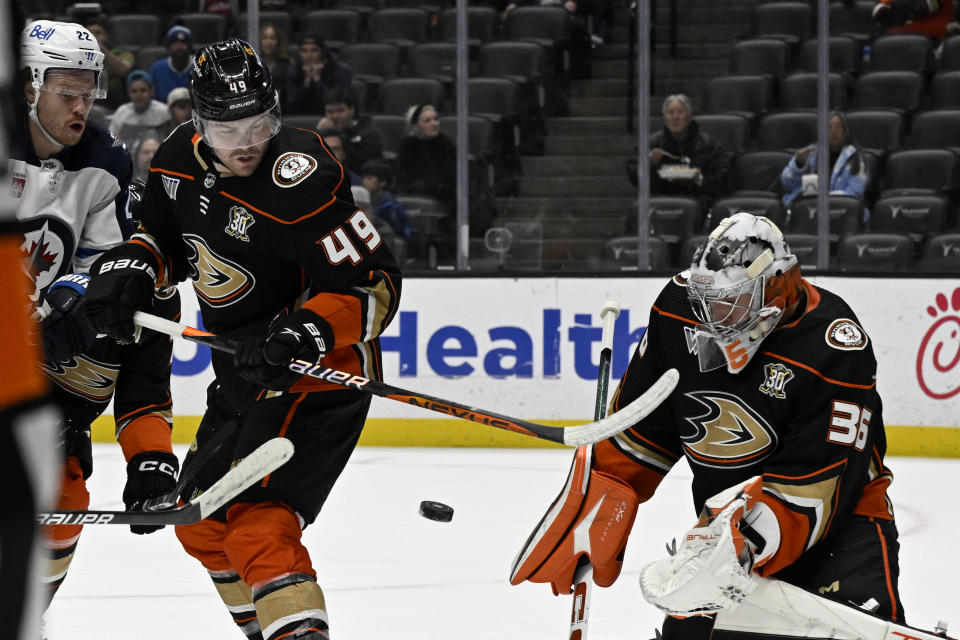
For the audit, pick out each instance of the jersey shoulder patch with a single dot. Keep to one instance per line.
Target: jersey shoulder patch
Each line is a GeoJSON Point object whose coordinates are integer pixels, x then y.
{"type": "Point", "coordinates": [846, 335]}
{"type": "Point", "coordinates": [291, 168]}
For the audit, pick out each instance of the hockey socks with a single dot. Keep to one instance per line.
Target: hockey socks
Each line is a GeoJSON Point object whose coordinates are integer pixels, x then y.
{"type": "Point", "coordinates": [61, 540]}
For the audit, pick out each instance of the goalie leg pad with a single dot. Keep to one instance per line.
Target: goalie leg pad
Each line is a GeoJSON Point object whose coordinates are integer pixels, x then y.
{"type": "Point", "coordinates": [594, 524]}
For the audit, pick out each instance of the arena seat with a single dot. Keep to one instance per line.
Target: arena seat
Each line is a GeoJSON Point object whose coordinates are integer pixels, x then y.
{"type": "Point", "coordinates": [748, 96]}
{"type": "Point", "coordinates": [337, 27]}
{"type": "Point", "coordinates": [789, 21]}
{"type": "Point", "coordinates": [901, 52]}
{"type": "Point", "coordinates": [845, 55]}
{"type": "Point", "coordinates": [799, 91]}
{"type": "Point", "coordinates": [788, 130]}
{"type": "Point", "coordinates": [759, 204]}
{"type": "Point", "coordinates": [402, 27]}
{"type": "Point", "coordinates": [872, 252]}
{"type": "Point", "coordinates": [846, 213]}
{"type": "Point", "coordinates": [728, 128]}
{"type": "Point", "coordinates": [888, 89]}
{"type": "Point", "coordinates": [942, 253]}
{"type": "Point", "coordinates": [759, 57]}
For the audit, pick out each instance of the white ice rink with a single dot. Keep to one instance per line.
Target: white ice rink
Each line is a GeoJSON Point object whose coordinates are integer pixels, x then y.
{"type": "Point", "coordinates": [389, 573]}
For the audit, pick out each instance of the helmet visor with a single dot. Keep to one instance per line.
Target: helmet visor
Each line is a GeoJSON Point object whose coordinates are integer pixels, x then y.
{"type": "Point", "coordinates": [71, 84]}
{"type": "Point", "coordinates": [239, 134]}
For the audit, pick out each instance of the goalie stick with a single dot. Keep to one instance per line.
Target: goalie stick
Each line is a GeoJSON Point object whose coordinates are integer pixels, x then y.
{"type": "Point", "coordinates": [574, 436]}
{"type": "Point", "coordinates": [262, 461]}
{"type": "Point", "coordinates": [583, 576]}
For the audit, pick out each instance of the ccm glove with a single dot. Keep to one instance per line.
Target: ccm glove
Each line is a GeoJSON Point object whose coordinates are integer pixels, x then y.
{"type": "Point", "coordinates": [303, 335]}
{"type": "Point", "coordinates": [121, 281]}
{"type": "Point", "coordinates": [66, 332]}
{"type": "Point", "coordinates": [150, 474]}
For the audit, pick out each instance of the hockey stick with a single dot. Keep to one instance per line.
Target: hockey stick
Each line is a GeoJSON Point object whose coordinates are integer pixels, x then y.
{"type": "Point", "coordinates": [583, 576]}
{"type": "Point", "coordinates": [265, 459]}
{"type": "Point", "coordinates": [573, 436]}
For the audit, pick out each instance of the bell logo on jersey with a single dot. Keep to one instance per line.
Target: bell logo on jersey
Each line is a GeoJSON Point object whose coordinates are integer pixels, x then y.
{"type": "Point", "coordinates": [217, 281]}
{"type": "Point", "coordinates": [238, 223]}
{"type": "Point", "coordinates": [291, 168]}
{"type": "Point", "coordinates": [729, 435]}
{"type": "Point", "coordinates": [17, 184]}
{"type": "Point", "coordinates": [776, 377]}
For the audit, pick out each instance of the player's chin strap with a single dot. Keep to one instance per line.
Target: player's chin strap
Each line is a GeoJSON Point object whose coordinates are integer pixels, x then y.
{"type": "Point", "coordinates": [36, 119]}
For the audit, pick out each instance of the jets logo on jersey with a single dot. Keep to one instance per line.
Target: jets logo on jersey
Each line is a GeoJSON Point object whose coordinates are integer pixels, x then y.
{"type": "Point", "coordinates": [846, 334]}
{"type": "Point", "coordinates": [776, 377]}
{"type": "Point", "coordinates": [216, 280]}
{"type": "Point", "coordinates": [729, 435]}
{"type": "Point", "coordinates": [239, 221]}
{"type": "Point", "coordinates": [48, 248]}
{"type": "Point", "coordinates": [85, 377]}
{"type": "Point", "coordinates": [291, 168]}
{"type": "Point", "coordinates": [170, 185]}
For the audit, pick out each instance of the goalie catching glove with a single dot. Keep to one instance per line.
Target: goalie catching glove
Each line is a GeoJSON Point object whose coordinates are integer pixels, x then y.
{"type": "Point", "coordinates": [592, 517]}
{"type": "Point", "coordinates": [711, 569]}
{"type": "Point", "coordinates": [302, 335]}
{"type": "Point", "coordinates": [122, 281]}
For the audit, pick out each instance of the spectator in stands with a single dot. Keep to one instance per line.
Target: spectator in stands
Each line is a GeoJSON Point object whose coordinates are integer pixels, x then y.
{"type": "Point", "coordinates": [133, 119]}
{"type": "Point", "coordinates": [180, 110]}
{"type": "Point", "coordinates": [117, 61]}
{"type": "Point", "coordinates": [316, 73]}
{"type": "Point", "coordinates": [362, 139]}
{"type": "Point", "coordinates": [934, 18]}
{"type": "Point", "coordinates": [376, 178]}
{"type": "Point", "coordinates": [333, 140]}
{"type": "Point", "coordinates": [143, 153]}
{"type": "Point", "coordinates": [174, 70]}
{"type": "Point", "coordinates": [848, 176]}
{"type": "Point", "coordinates": [427, 159]}
{"type": "Point", "coordinates": [683, 159]}
{"type": "Point", "coordinates": [273, 50]}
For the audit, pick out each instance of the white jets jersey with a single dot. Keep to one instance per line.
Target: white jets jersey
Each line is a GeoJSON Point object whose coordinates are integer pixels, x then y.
{"type": "Point", "coordinates": [73, 206]}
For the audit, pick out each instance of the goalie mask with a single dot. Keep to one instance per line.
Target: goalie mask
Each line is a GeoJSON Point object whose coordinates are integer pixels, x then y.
{"type": "Point", "coordinates": [740, 284]}
{"type": "Point", "coordinates": [235, 104]}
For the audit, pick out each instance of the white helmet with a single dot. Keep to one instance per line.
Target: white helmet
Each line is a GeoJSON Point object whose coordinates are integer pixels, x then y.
{"type": "Point", "coordinates": [61, 45]}
{"type": "Point", "coordinates": [739, 285]}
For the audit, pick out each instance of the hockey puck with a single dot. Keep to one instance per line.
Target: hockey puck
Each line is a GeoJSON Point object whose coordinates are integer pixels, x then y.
{"type": "Point", "coordinates": [436, 511]}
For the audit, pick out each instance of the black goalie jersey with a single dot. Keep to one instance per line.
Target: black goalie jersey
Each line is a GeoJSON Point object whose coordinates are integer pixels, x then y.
{"type": "Point", "coordinates": [289, 235]}
{"type": "Point", "coordinates": [804, 414]}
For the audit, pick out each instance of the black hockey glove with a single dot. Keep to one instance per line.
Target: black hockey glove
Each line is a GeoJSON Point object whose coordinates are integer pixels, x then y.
{"type": "Point", "coordinates": [66, 332]}
{"type": "Point", "coordinates": [150, 474]}
{"type": "Point", "coordinates": [303, 335]}
{"type": "Point", "coordinates": [121, 281]}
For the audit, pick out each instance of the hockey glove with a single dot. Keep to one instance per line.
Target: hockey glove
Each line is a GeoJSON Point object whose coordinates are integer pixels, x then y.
{"type": "Point", "coordinates": [121, 281]}
{"type": "Point", "coordinates": [151, 474]}
{"type": "Point", "coordinates": [303, 335]}
{"type": "Point", "coordinates": [66, 332]}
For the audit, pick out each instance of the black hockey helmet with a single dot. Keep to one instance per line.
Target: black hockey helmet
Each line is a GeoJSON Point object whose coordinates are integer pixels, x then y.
{"type": "Point", "coordinates": [229, 83]}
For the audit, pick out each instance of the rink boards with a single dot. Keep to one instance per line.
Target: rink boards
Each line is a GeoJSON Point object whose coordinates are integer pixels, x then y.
{"type": "Point", "coordinates": [528, 348]}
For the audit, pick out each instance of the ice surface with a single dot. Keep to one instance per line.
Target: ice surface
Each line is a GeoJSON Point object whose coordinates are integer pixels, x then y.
{"type": "Point", "coordinates": [389, 573]}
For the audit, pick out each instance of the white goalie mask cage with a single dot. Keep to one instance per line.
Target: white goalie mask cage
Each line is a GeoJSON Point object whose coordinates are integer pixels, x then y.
{"type": "Point", "coordinates": [739, 285]}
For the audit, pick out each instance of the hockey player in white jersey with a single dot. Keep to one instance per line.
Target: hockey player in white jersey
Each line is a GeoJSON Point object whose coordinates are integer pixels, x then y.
{"type": "Point", "coordinates": [71, 181]}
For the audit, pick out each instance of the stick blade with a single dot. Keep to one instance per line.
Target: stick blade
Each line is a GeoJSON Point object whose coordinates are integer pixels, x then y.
{"type": "Point", "coordinates": [637, 410]}
{"type": "Point", "coordinates": [262, 461]}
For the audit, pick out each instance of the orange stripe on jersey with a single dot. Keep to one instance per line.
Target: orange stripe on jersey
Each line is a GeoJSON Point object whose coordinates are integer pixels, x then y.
{"type": "Point", "coordinates": [161, 265]}
{"type": "Point", "coordinates": [873, 502]}
{"type": "Point", "coordinates": [673, 315]}
{"type": "Point", "coordinates": [264, 213]}
{"type": "Point", "coordinates": [813, 301]}
{"type": "Point", "coordinates": [840, 383]}
{"type": "Point", "coordinates": [894, 614]}
{"type": "Point", "coordinates": [19, 366]}
{"type": "Point", "coordinates": [285, 426]}
{"type": "Point", "coordinates": [342, 311]}
{"type": "Point", "coordinates": [172, 173]}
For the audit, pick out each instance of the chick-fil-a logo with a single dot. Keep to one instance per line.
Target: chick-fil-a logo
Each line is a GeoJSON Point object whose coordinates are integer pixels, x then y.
{"type": "Point", "coordinates": [940, 350]}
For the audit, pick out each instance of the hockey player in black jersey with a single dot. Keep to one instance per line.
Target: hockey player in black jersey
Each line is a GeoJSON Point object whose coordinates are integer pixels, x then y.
{"type": "Point", "coordinates": [261, 218]}
{"type": "Point", "coordinates": [70, 179]}
{"type": "Point", "coordinates": [778, 416]}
